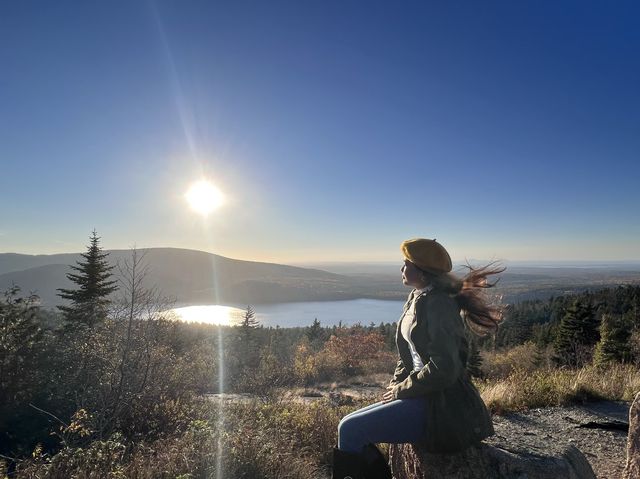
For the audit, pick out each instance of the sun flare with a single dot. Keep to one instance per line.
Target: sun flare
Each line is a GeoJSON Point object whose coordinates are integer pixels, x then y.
{"type": "Point", "coordinates": [204, 197]}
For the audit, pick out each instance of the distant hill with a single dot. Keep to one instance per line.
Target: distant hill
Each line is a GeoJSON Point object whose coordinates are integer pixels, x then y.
{"type": "Point", "coordinates": [196, 277]}
{"type": "Point", "coordinates": [10, 262]}
{"type": "Point", "coordinates": [189, 276]}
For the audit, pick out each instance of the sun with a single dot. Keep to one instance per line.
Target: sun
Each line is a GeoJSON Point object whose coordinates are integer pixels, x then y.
{"type": "Point", "coordinates": [204, 197]}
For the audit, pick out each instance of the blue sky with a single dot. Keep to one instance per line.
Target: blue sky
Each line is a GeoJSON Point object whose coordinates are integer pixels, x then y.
{"type": "Point", "coordinates": [505, 130]}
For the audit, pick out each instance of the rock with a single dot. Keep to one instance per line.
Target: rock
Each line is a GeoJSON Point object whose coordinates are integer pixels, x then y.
{"type": "Point", "coordinates": [487, 461]}
{"type": "Point", "coordinates": [632, 468]}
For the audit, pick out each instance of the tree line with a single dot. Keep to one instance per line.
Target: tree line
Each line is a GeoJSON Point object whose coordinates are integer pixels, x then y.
{"type": "Point", "coordinates": [600, 326]}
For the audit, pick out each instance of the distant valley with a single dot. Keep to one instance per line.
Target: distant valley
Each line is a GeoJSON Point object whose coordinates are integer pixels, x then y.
{"type": "Point", "coordinates": [196, 277]}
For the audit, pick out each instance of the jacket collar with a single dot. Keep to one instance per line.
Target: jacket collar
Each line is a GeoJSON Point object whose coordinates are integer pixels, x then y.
{"type": "Point", "coordinates": [416, 293]}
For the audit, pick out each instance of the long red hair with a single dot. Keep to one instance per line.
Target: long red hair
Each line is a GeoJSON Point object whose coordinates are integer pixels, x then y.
{"type": "Point", "coordinates": [482, 317]}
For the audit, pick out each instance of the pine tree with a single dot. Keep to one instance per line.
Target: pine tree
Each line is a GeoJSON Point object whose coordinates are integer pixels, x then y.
{"type": "Point", "coordinates": [474, 360]}
{"type": "Point", "coordinates": [247, 336]}
{"type": "Point", "coordinates": [577, 335]}
{"type": "Point", "coordinates": [591, 325]}
{"type": "Point", "coordinates": [614, 339]}
{"type": "Point", "coordinates": [24, 369]}
{"type": "Point", "coordinates": [516, 328]}
{"type": "Point", "coordinates": [89, 302]}
{"type": "Point", "coordinates": [316, 334]}
{"type": "Point", "coordinates": [249, 323]}
{"type": "Point", "coordinates": [21, 340]}
{"type": "Point", "coordinates": [246, 352]}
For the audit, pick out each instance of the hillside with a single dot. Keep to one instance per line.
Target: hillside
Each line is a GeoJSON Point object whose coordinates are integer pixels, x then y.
{"type": "Point", "coordinates": [188, 276]}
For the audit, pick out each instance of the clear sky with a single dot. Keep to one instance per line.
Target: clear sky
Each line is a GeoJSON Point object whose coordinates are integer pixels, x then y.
{"type": "Point", "coordinates": [335, 129]}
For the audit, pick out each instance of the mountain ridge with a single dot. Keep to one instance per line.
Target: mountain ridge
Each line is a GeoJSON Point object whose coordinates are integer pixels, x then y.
{"type": "Point", "coordinates": [188, 276]}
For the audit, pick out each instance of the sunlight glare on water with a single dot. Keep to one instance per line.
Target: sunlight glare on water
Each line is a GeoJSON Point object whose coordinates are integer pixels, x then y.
{"type": "Point", "coordinates": [210, 314]}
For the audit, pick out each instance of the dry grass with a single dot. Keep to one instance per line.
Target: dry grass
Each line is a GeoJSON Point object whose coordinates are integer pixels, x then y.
{"type": "Point", "coordinates": [522, 389]}
{"type": "Point", "coordinates": [525, 357]}
{"type": "Point", "coordinates": [259, 441]}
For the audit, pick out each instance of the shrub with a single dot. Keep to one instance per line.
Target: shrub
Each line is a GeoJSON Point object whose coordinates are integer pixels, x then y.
{"type": "Point", "coordinates": [240, 440]}
{"type": "Point", "coordinates": [345, 354]}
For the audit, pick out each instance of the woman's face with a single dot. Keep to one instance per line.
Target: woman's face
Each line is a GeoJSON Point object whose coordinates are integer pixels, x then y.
{"type": "Point", "coordinates": [412, 276]}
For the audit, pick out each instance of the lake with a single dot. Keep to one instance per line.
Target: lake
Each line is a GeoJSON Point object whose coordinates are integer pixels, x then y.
{"type": "Point", "coordinates": [289, 315]}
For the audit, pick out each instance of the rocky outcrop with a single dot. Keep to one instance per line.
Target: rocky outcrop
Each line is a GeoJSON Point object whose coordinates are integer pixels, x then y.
{"type": "Point", "coordinates": [596, 429]}
{"type": "Point", "coordinates": [632, 468]}
{"type": "Point", "coordinates": [488, 461]}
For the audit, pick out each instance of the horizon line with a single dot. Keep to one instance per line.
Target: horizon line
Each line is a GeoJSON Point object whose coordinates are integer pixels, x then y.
{"type": "Point", "coordinates": [351, 262]}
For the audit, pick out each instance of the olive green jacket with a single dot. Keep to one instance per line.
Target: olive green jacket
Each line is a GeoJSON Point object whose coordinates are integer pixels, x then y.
{"type": "Point", "coordinates": [456, 417]}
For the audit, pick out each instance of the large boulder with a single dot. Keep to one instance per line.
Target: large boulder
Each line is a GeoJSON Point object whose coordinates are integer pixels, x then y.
{"type": "Point", "coordinates": [632, 468]}
{"type": "Point", "coordinates": [484, 461]}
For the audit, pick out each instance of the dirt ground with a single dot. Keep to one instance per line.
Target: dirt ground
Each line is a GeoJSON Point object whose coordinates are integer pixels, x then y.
{"type": "Point", "coordinates": [605, 449]}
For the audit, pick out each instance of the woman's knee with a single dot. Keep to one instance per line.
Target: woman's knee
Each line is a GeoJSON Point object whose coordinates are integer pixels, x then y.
{"type": "Point", "coordinates": [343, 425]}
{"type": "Point", "coordinates": [348, 427]}
{"type": "Point", "coordinates": [350, 418]}
{"type": "Point", "coordinates": [350, 435]}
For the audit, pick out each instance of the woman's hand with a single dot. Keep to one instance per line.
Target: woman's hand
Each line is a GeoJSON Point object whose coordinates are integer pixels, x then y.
{"type": "Point", "coordinates": [388, 395]}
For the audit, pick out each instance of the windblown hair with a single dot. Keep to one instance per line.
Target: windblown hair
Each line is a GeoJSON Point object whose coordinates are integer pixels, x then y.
{"type": "Point", "coordinates": [481, 316]}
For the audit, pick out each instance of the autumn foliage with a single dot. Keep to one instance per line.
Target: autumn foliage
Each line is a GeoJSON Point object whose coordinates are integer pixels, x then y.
{"type": "Point", "coordinates": [346, 353]}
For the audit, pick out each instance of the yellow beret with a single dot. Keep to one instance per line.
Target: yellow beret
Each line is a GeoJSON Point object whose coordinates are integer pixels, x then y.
{"type": "Point", "coordinates": [427, 254]}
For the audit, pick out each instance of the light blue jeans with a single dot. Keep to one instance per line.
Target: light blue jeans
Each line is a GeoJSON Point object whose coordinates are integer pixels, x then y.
{"type": "Point", "coordinates": [398, 421]}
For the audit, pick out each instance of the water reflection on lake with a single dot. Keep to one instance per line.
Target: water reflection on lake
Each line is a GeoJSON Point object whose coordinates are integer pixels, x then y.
{"type": "Point", "coordinates": [288, 315]}
{"type": "Point", "coordinates": [210, 314]}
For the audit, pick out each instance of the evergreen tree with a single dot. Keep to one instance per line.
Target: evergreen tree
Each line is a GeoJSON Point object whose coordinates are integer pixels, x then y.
{"type": "Point", "coordinates": [316, 335]}
{"type": "Point", "coordinates": [577, 335]}
{"type": "Point", "coordinates": [614, 345]}
{"type": "Point", "coordinates": [516, 328]}
{"type": "Point", "coordinates": [474, 360]}
{"type": "Point", "coordinates": [635, 309]}
{"type": "Point", "coordinates": [21, 345]}
{"type": "Point", "coordinates": [249, 323]}
{"type": "Point", "coordinates": [89, 302]}
{"type": "Point", "coordinates": [542, 334]}
{"type": "Point", "coordinates": [246, 352]}
{"type": "Point", "coordinates": [248, 327]}
{"type": "Point", "coordinates": [25, 375]}
{"type": "Point", "coordinates": [314, 331]}
{"type": "Point", "coordinates": [591, 325]}
{"type": "Point", "coordinates": [279, 345]}
{"type": "Point", "coordinates": [388, 332]}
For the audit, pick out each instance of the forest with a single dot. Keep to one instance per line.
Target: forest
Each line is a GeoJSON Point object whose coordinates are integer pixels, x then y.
{"type": "Point", "coordinates": [111, 385]}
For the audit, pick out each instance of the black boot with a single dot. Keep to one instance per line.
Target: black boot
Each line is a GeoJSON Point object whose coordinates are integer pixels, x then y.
{"type": "Point", "coordinates": [375, 464]}
{"type": "Point", "coordinates": [346, 465]}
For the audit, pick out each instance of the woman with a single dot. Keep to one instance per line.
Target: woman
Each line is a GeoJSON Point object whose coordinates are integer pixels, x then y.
{"type": "Point", "coordinates": [430, 399]}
